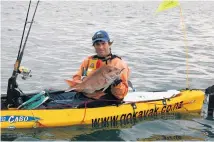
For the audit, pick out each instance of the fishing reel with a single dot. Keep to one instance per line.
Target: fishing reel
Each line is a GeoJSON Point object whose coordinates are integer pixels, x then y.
{"type": "Point", "coordinates": [25, 72]}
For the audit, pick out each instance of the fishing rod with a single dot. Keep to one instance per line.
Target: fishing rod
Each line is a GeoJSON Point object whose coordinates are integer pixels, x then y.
{"type": "Point", "coordinates": [15, 67]}
{"type": "Point", "coordinates": [21, 49]}
{"type": "Point", "coordinates": [13, 92]}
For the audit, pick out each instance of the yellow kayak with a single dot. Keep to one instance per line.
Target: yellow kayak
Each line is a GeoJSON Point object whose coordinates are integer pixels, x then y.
{"type": "Point", "coordinates": [181, 101]}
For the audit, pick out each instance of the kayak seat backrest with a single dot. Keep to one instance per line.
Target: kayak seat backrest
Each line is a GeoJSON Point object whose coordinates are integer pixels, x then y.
{"type": "Point", "coordinates": [35, 101]}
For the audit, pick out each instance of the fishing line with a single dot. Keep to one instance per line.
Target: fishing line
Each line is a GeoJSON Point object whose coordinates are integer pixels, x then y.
{"type": "Point", "coordinates": [36, 121]}
{"type": "Point", "coordinates": [84, 112]}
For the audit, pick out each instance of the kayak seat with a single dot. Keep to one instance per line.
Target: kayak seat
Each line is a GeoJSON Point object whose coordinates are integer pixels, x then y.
{"type": "Point", "coordinates": [35, 101]}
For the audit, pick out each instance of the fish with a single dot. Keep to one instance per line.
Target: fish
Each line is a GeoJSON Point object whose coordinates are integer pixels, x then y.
{"type": "Point", "coordinates": [102, 78]}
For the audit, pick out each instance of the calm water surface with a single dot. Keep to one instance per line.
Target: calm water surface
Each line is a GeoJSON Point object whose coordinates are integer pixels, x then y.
{"type": "Point", "coordinates": [152, 45]}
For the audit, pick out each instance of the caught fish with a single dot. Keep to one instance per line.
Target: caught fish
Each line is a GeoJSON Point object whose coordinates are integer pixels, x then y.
{"type": "Point", "coordinates": [101, 78]}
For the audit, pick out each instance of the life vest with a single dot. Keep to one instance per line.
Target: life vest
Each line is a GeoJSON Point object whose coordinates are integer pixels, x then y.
{"type": "Point", "coordinates": [96, 62]}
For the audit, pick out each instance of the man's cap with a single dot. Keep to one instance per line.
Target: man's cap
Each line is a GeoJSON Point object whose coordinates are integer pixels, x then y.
{"type": "Point", "coordinates": [100, 36]}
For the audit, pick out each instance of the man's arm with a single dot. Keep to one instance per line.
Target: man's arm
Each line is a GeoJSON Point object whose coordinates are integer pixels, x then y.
{"type": "Point", "coordinates": [120, 87]}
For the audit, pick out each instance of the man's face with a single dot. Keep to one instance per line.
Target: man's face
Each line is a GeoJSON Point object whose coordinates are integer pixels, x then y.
{"type": "Point", "coordinates": [102, 48]}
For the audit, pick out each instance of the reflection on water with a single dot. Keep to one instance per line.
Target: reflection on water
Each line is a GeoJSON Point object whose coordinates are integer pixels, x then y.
{"type": "Point", "coordinates": [171, 138]}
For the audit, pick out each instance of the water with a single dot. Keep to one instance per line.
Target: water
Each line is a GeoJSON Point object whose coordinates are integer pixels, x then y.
{"type": "Point", "coordinates": [152, 45]}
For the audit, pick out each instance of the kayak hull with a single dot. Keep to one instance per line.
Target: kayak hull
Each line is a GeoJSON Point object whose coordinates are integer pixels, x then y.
{"type": "Point", "coordinates": [184, 102]}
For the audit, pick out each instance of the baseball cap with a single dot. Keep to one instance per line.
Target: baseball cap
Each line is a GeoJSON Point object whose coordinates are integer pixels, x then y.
{"type": "Point", "coordinates": [100, 36]}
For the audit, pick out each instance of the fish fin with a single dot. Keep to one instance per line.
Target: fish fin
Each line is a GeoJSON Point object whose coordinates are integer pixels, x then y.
{"type": "Point", "coordinates": [70, 89]}
{"type": "Point", "coordinates": [89, 91]}
{"type": "Point", "coordinates": [122, 70]}
{"type": "Point", "coordinates": [105, 88]}
{"type": "Point", "coordinates": [72, 83]}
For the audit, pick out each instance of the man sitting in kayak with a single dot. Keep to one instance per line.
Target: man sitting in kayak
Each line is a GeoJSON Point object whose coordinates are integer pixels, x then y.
{"type": "Point", "coordinates": [119, 88]}
{"type": "Point", "coordinates": [114, 93]}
